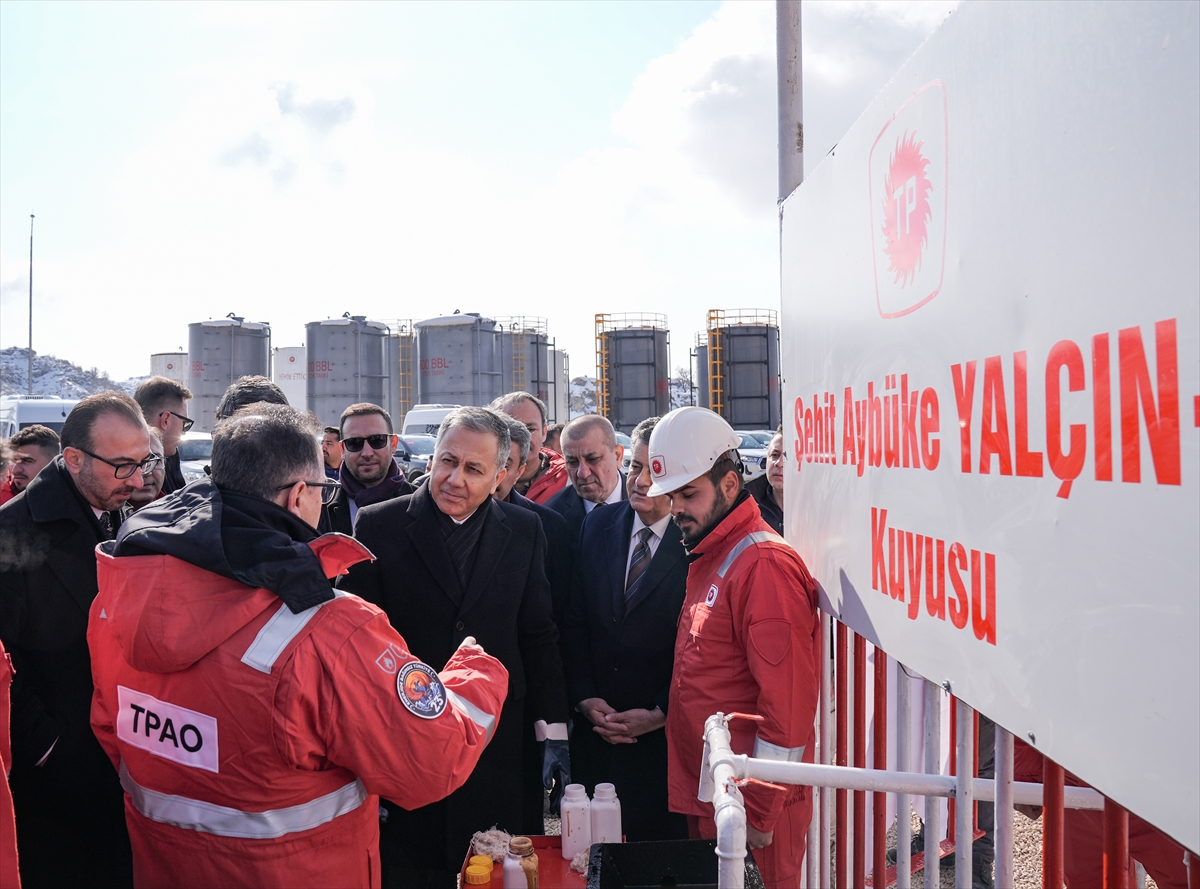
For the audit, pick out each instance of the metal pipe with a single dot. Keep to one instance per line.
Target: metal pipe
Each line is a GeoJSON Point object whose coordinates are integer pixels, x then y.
{"type": "Point", "coordinates": [860, 760]}
{"type": "Point", "coordinates": [789, 73]}
{"type": "Point", "coordinates": [879, 826]}
{"type": "Point", "coordinates": [964, 832]}
{"type": "Point", "coordinates": [1116, 846]}
{"type": "Point", "coordinates": [951, 820]}
{"type": "Point", "coordinates": [812, 869]}
{"type": "Point", "coordinates": [827, 716]}
{"type": "Point", "coordinates": [1004, 804]}
{"type": "Point", "coordinates": [1052, 825]}
{"type": "Point", "coordinates": [29, 354]}
{"type": "Point", "coordinates": [933, 766]}
{"type": "Point", "coordinates": [729, 810]}
{"type": "Point", "coordinates": [904, 764]}
{"type": "Point", "coordinates": [839, 835]}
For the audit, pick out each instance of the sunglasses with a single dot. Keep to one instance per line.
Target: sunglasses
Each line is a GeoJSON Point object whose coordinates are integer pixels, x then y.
{"type": "Point", "coordinates": [188, 422]}
{"type": "Point", "coordinates": [377, 442]}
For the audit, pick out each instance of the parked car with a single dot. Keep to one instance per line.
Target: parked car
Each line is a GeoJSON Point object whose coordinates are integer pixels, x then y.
{"type": "Point", "coordinates": [413, 453]}
{"type": "Point", "coordinates": [626, 442]}
{"type": "Point", "coordinates": [753, 453]}
{"type": "Point", "coordinates": [195, 454]}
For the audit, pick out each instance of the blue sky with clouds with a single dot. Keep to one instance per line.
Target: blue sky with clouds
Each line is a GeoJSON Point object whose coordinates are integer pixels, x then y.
{"type": "Point", "coordinates": [293, 162]}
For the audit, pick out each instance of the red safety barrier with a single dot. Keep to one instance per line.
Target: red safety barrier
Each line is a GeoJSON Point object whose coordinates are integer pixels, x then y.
{"type": "Point", "coordinates": [860, 758]}
{"type": "Point", "coordinates": [879, 800]}
{"type": "Point", "coordinates": [843, 661]}
{"type": "Point", "coordinates": [1052, 825]}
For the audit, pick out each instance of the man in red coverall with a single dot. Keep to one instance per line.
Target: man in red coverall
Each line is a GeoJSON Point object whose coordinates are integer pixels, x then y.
{"type": "Point", "coordinates": [747, 638]}
{"type": "Point", "coordinates": [253, 713]}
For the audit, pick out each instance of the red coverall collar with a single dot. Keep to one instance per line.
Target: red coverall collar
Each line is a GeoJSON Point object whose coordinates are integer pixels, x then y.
{"type": "Point", "coordinates": [740, 521]}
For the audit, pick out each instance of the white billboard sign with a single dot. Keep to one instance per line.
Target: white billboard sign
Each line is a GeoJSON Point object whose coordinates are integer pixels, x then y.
{"type": "Point", "coordinates": [289, 371]}
{"type": "Point", "coordinates": [991, 321]}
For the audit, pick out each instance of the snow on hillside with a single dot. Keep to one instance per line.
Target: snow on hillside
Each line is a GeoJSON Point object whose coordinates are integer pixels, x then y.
{"type": "Point", "coordinates": [583, 394]}
{"type": "Point", "coordinates": [55, 376]}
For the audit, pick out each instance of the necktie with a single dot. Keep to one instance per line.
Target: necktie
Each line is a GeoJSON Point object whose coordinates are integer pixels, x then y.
{"type": "Point", "coordinates": [106, 526]}
{"type": "Point", "coordinates": [640, 561]}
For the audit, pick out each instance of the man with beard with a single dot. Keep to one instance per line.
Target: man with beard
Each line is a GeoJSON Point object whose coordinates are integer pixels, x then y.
{"type": "Point", "coordinates": [164, 405]}
{"type": "Point", "coordinates": [30, 449]}
{"type": "Point", "coordinates": [368, 474]}
{"type": "Point", "coordinates": [451, 561]}
{"type": "Point", "coordinates": [70, 818]}
{"type": "Point", "coordinates": [747, 638]}
{"type": "Point", "coordinates": [331, 451]}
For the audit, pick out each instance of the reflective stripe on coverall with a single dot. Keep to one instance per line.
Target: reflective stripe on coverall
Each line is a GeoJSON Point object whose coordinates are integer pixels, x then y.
{"type": "Point", "coordinates": [747, 642]}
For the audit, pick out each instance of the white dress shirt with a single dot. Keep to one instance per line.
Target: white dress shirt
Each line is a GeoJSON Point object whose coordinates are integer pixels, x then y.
{"type": "Point", "coordinates": [613, 497]}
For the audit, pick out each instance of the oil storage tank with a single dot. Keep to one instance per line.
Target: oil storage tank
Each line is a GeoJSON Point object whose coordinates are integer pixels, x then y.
{"type": "Point", "coordinates": [525, 356]}
{"type": "Point", "coordinates": [742, 358]}
{"type": "Point", "coordinates": [219, 352]}
{"type": "Point", "coordinates": [458, 360]}
{"type": "Point", "coordinates": [347, 363]}
{"type": "Point", "coordinates": [172, 365]}
{"type": "Point", "coordinates": [632, 368]}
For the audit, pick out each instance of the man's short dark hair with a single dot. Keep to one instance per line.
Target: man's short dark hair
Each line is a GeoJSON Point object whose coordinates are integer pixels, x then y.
{"type": "Point", "coordinates": [77, 428]}
{"type": "Point", "coordinates": [264, 447]}
{"type": "Point", "coordinates": [580, 427]}
{"type": "Point", "coordinates": [480, 419]}
{"type": "Point", "coordinates": [726, 463]}
{"type": "Point", "coordinates": [642, 431]}
{"type": "Point", "coordinates": [364, 409]}
{"type": "Point", "coordinates": [36, 435]}
{"type": "Point", "coordinates": [557, 427]}
{"type": "Point", "coordinates": [504, 402]}
{"type": "Point", "coordinates": [247, 391]}
{"type": "Point", "coordinates": [518, 434]}
{"type": "Point", "coordinates": [332, 430]}
{"type": "Point", "coordinates": [158, 394]}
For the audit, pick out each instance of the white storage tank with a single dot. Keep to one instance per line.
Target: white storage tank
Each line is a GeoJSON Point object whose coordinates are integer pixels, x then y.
{"type": "Point", "coordinates": [172, 365]}
{"type": "Point", "coordinates": [458, 360]}
{"type": "Point", "coordinates": [525, 355]}
{"type": "Point", "coordinates": [219, 352]}
{"type": "Point", "coordinates": [347, 363]}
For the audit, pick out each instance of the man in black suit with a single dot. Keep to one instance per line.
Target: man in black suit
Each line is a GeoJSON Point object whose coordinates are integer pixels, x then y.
{"type": "Point", "coordinates": [368, 474]}
{"type": "Point", "coordinates": [68, 800]}
{"type": "Point", "coordinates": [619, 634]}
{"type": "Point", "coordinates": [453, 562]}
{"type": "Point", "coordinates": [593, 458]}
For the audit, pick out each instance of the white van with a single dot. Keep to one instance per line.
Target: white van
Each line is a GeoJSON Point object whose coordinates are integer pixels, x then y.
{"type": "Point", "coordinates": [425, 419]}
{"type": "Point", "coordinates": [19, 411]}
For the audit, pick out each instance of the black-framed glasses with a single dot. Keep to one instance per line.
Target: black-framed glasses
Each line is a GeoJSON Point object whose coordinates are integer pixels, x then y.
{"type": "Point", "coordinates": [377, 442]}
{"type": "Point", "coordinates": [188, 422]}
{"type": "Point", "coordinates": [329, 488]}
{"type": "Point", "coordinates": [126, 470]}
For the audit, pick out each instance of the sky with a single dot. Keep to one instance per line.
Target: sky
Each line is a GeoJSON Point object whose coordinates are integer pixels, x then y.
{"type": "Point", "coordinates": [292, 162]}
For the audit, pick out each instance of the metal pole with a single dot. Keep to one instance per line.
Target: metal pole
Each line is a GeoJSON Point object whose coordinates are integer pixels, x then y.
{"type": "Point", "coordinates": [1052, 825]}
{"type": "Point", "coordinates": [812, 868]}
{"type": "Point", "coordinates": [827, 716]}
{"type": "Point", "coordinates": [843, 703]}
{"type": "Point", "coordinates": [1116, 846]}
{"type": "Point", "coordinates": [933, 766]}
{"type": "Point", "coordinates": [29, 354]}
{"type": "Point", "coordinates": [789, 73]}
{"type": "Point", "coordinates": [860, 760]}
{"type": "Point", "coordinates": [879, 826]}
{"type": "Point", "coordinates": [1004, 816]}
{"type": "Point", "coordinates": [904, 764]}
{"type": "Point", "coordinates": [964, 832]}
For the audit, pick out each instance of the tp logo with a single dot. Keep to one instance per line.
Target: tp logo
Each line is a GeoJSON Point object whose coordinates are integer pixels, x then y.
{"type": "Point", "coordinates": [908, 200]}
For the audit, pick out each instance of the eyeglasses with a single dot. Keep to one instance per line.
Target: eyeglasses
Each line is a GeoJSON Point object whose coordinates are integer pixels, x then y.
{"type": "Point", "coordinates": [377, 442]}
{"type": "Point", "coordinates": [329, 488]}
{"type": "Point", "coordinates": [126, 470]}
{"type": "Point", "coordinates": [188, 422]}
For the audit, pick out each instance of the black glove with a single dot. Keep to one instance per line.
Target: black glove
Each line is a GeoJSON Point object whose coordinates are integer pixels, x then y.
{"type": "Point", "coordinates": [556, 771]}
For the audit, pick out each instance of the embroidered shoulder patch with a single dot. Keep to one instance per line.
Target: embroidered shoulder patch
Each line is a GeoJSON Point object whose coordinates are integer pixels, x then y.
{"type": "Point", "coordinates": [421, 691]}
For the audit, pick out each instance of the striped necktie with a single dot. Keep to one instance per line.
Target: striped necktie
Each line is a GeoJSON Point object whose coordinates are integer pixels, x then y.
{"type": "Point", "coordinates": [640, 561]}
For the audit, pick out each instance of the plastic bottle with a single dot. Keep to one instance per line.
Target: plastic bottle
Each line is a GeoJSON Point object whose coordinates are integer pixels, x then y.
{"type": "Point", "coordinates": [576, 821]}
{"type": "Point", "coordinates": [606, 815]}
{"type": "Point", "coordinates": [520, 865]}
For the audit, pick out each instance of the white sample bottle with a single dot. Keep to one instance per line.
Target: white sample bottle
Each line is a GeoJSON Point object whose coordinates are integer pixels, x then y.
{"type": "Point", "coordinates": [606, 815]}
{"type": "Point", "coordinates": [576, 821]}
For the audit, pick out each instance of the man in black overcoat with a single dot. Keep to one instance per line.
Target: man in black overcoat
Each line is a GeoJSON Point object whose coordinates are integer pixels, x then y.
{"type": "Point", "coordinates": [593, 458]}
{"type": "Point", "coordinates": [452, 562]}
{"type": "Point", "coordinates": [68, 800]}
{"type": "Point", "coordinates": [619, 634]}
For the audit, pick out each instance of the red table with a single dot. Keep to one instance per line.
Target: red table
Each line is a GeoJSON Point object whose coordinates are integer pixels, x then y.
{"type": "Point", "coordinates": [554, 871]}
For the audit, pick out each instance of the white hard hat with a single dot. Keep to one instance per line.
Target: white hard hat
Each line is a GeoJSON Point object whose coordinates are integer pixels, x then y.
{"type": "Point", "coordinates": [685, 444]}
